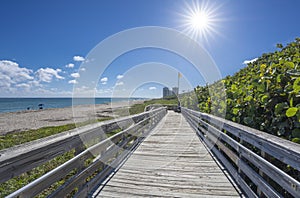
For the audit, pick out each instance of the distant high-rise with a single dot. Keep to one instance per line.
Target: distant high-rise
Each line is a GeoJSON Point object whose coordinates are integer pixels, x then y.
{"type": "Point", "coordinates": [175, 91]}
{"type": "Point", "coordinates": [166, 92]}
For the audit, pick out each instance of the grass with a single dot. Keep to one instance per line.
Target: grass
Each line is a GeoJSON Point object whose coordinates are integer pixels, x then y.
{"type": "Point", "coordinates": [16, 183]}
{"type": "Point", "coordinates": [139, 108]}
{"type": "Point", "coordinates": [13, 139]}
{"type": "Point", "coordinates": [17, 138]}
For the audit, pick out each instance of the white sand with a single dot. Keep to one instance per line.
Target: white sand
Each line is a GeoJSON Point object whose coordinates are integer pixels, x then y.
{"type": "Point", "coordinates": [25, 120]}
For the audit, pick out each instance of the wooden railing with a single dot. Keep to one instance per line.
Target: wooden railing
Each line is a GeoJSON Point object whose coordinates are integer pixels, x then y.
{"type": "Point", "coordinates": [155, 106]}
{"type": "Point", "coordinates": [97, 155]}
{"type": "Point", "coordinates": [261, 164]}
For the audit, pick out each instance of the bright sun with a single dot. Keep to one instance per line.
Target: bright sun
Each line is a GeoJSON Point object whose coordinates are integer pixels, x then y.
{"type": "Point", "coordinates": [200, 20]}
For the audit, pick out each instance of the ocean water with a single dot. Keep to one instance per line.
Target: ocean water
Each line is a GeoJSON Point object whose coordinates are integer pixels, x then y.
{"type": "Point", "coordinates": [22, 104]}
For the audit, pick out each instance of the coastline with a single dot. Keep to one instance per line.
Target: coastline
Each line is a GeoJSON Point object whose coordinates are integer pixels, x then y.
{"type": "Point", "coordinates": [26, 104]}
{"type": "Point", "coordinates": [34, 119]}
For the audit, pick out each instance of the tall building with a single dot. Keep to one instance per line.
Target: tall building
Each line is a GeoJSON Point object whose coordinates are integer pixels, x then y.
{"type": "Point", "coordinates": [175, 90]}
{"type": "Point", "coordinates": [166, 92]}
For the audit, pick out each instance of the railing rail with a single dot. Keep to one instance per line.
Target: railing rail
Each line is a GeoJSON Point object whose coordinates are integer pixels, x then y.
{"type": "Point", "coordinates": [109, 153]}
{"type": "Point", "coordinates": [248, 154]}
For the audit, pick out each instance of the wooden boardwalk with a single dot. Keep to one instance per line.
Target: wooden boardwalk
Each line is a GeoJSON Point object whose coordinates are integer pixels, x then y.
{"type": "Point", "coordinates": [171, 162]}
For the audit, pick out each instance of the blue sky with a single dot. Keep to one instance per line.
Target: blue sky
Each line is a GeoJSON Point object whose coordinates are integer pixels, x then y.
{"type": "Point", "coordinates": [42, 43]}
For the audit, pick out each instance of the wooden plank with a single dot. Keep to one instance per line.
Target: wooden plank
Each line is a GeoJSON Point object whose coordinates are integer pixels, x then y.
{"type": "Point", "coordinates": [49, 178]}
{"type": "Point", "coordinates": [166, 187]}
{"type": "Point", "coordinates": [112, 191]}
{"type": "Point", "coordinates": [286, 181]}
{"type": "Point", "coordinates": [19, 159]}
{"type": "Point", "coordinates": [170, 162]}
{"type": "Point", "coordinates": [233, 172]}
{"type": "Point", "coordinates": [268, 190]}
{"type": "Point", "coordinates": [284, 150]}
{"type": "Point", "coordinates": [99, 162]}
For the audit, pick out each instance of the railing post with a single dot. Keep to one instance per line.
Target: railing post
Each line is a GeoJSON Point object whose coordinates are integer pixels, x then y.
{"type": "Point", "coordinates": [261, 173]}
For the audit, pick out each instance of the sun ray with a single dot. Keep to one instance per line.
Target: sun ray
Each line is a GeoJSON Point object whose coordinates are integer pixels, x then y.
{"type": "Point", "coordinates": [200, 20]}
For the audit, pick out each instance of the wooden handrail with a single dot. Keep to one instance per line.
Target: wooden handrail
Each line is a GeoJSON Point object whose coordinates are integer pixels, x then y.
{"type": "Point", "coordinates": [236, 147]}
{"type": "Point", "coordinates": [248, 155]}
{"type": "Point", "coordinates": [107, 149]}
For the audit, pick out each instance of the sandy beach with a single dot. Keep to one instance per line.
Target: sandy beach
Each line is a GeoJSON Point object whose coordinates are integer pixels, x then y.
{"type": "Point", "coordinates": [25, 120]}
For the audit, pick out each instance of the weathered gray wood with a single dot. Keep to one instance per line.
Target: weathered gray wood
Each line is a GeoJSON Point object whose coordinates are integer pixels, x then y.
{"type": "Point", "coordinates": [234, 173]}
{"type": "Point", "coordinates": [170, 162]}
{"type": "Point", "coordinates": [82, 176]}
{"type": "Point", "coordinates": [265, 167]}
{"type": "Point", "coordinates": [284, 150]}
{"type": "Point", "coordinates": [267, 189]}
{"type": "Point", "coordinates": [179, 165]}
{"type": "Point", "coordinates": [194, 121]}
{"type": "Point", "coordinates": [286, 181]}
{"type": "Point", "coordinates": [120, 139]}
{"type": "Point", "coordinates": [19, 159]}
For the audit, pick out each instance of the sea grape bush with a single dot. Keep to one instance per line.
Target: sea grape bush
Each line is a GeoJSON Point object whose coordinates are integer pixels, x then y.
{"type": "Point", "coordinates": [264, 95]}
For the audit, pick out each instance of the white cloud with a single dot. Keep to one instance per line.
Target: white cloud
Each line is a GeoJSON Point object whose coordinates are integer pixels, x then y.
{"type": "Point", "coordinates": [72, 82]}
{"type": "Point", "coordinates": [70, 65]}
{"type": "Point", "coordinates": [5, 81]}
{"type": "Point", "coordinates": [11, 74]}
{"type": "Point", "coordinates": [47, 74]}
{"type": "Point", "coordinates": [16, 81]}
{"type": "Point", "coordinates": [249, 61]}
{"type": "Point", "coordinates": [82, 69]}
{"type": "Point", "coordinates": [78, 58]}
{"type": "Point", "coordinates": [152, 88]}
{"type": "Point", "coordinates": [119, 76]}
{"type": "Point", "coordinates": [104, 80]}
{"type": "Point", "coordinates": [16, 73]}
{"type": "Point", "coordinates": [75, 75]}
{"type": "Point", "coordinates": [23, 85]}
{"type": "Point", "coordinates": [35, 83]}
{"type": "Point", "coordinates": [119, 83]}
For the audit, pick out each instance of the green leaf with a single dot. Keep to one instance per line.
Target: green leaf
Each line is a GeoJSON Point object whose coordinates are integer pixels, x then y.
{"type": "Point", "coordinates": [261, 87]}
{"type": "Point", "coordinates": [296, 85]}
{"type": "Point", "coordinates": [250, 87]}
{"type": "Point", "coordinates": [291, 111]}
{"type": "Point", "coordinates": [289, 64]}
{"type": "Point", "coordinates": [288, 88]}
{"type": "Point", "coordinates": [234, 88]}
{"type": "Point", "coordinates": [264, 98]}
{"type": "Point", "coordinates": [296, 140]}
{"type": "Point", "coordinates": [262, 67]}
{"type": "Point", "coordinates": [279, 78]}
{"type": "Point", "coordinates": [248, 98]}
{"type": "Point", "coordinates": [291, 102]}
{"type": "Point", "coordinates": [279, 108]}
{"type": "Point", "coordinates": [235, 111]}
